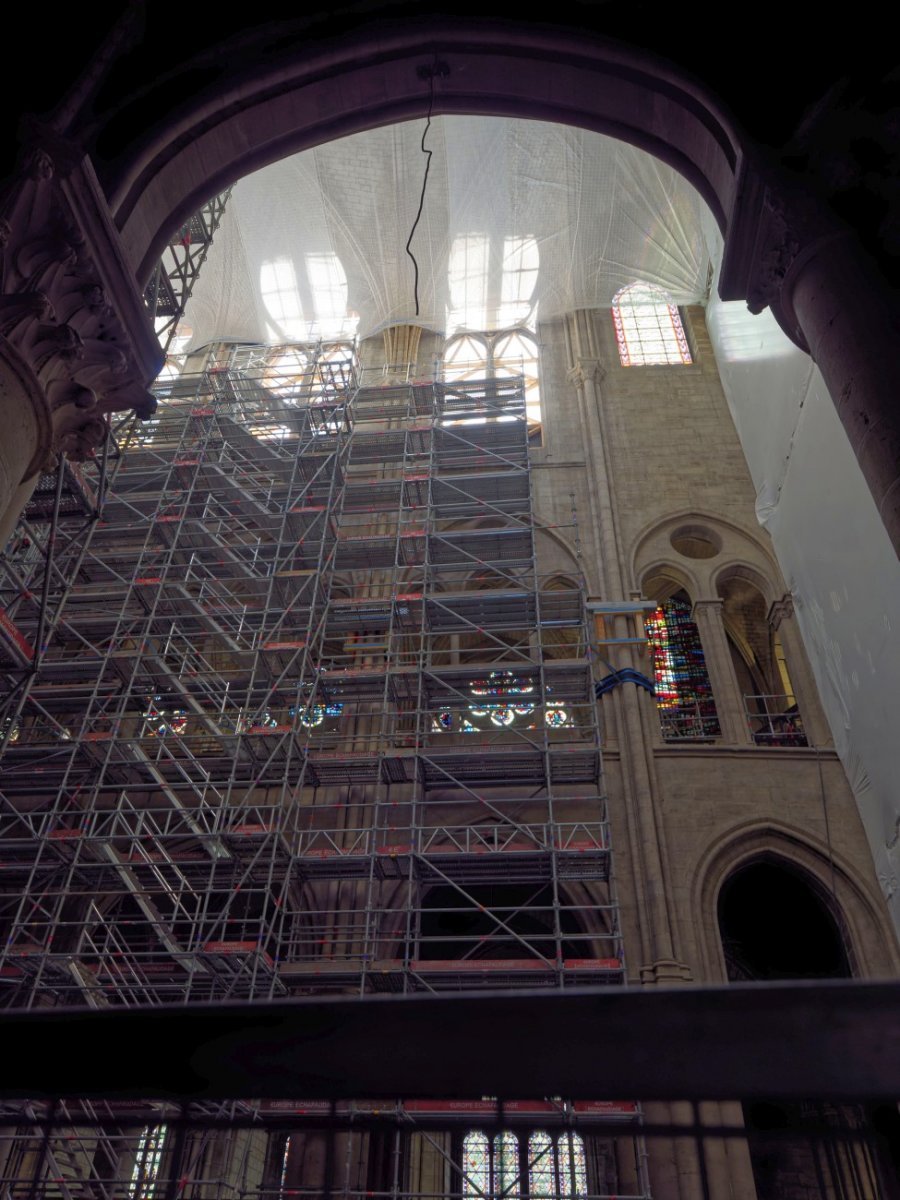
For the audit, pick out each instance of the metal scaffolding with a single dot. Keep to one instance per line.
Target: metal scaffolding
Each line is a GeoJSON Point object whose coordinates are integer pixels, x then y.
{"type": "Point", "coordinates": [314, 721]}
{"type": "Point", "coordinates": [170, 286]}
{"type": "Point", "coordinates": [37, 569]}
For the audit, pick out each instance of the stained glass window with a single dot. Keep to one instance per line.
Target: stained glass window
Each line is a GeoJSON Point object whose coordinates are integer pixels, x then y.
{"type": "Point", "coordinates": [284, 1161]}
{"type": "Point", "coordinates": [572, 1167]}
{"type": "Point", "coordinates": [502, 699]}
{"type": "Point", "coordinates": [556, 1167]}
{"type": "Point", "coordinates": [146, 1163]}
{"type": "Point", "coordinates": [160, 721]}
{"type": "Point", "coordinates": [476, 1166]}
{"type": "Point", "coordinates": [648, 327]}
{"type": "Point", "coordinates": [505, 1181]}
{"type": "Point", "coordinates": [683, 691]}
{"type": "Point", "coordinates": [541, 1173]}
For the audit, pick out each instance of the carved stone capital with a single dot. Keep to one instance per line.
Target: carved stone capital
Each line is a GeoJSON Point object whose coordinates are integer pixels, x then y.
{"type": "Point", "coordinates": [712, 605]}
{"type": "Point", "coordinates": [586, 370]}
{"type": "Point", "coordinates": [781, 610]}
{"type": "Point", "coordinates": [71, 315]}
{"type": "Point", "coordinates": [796, 227]}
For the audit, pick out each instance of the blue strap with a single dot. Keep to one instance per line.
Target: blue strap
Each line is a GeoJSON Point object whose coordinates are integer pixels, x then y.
{"type": "Point", "coordinates": [625, 675]}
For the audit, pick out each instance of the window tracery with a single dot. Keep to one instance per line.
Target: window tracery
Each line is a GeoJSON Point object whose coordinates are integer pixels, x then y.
{"type": "Point", "coordinates": [505, 354]}
{"type": "Point", "coordinates": [648, 327]}
{"type": "Point", "coordinates": [556, 1166]}
{"type": "Point", "coordinates": [502, 700]}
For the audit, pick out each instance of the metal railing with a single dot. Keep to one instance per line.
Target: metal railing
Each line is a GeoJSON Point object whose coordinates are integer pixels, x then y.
{"type": "Point", "coordinates": [774, 721]}
{"type": "Point", "coordinates": [695, 722]}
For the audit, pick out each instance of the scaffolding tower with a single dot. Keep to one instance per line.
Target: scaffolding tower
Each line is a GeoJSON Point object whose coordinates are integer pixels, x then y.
{"type": "Point", "coordinates": [314, 721]}
{"type": "Point", "coordinates": [170, 286]}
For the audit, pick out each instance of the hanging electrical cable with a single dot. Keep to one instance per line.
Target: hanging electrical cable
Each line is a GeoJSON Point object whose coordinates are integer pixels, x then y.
{"type": "Point", "coordinates": [429, 73]}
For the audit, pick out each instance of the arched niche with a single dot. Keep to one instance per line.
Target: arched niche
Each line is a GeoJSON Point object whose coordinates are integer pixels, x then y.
{"type": "Point", "coordinates": [683, 688]}
{"type": "Point", "coordinates": [561, 641]}
{"type": "Point", "coordinates": [761, 667]}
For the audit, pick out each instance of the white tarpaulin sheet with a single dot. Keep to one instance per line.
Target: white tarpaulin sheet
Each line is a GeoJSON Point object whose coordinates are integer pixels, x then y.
{"type": "Point", "coordinates": [834, 553]}
{"type": "Point", "coordinates": [521, 220]}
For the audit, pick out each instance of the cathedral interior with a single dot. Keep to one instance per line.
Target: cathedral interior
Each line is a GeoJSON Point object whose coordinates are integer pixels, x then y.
{"type": "Point", "coordinates": [449, 508]}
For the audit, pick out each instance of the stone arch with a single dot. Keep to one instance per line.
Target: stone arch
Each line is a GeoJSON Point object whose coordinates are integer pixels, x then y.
{"type": "Point", "coordinates": [768, 673]}
{"type": "Point", "coordinates": [744, 911]}
{"type": "Point", "coordinates": [563, 559]}
{"type": "Point", "coordinates": [281, 102]}
{"type": "Point", "coordinates": [661, 580]}
{"type": "Point", "coordinates": [733, 550]}
{"type": "Point", "coordinates": [858, 911]}
{"type": "Point", "coordinates": [756, 653]}
{"type": "Point", "coordinates": [753, 575]}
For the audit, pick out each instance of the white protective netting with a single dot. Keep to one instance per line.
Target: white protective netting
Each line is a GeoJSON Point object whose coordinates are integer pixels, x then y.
{"type": "Point", "coordinates": [521, 220]}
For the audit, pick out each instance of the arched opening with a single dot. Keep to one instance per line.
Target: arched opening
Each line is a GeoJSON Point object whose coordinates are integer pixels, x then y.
{"type": "Point", "coordinates": [776, 924]}
{"type": "Point", "coordinates": [760, 665]}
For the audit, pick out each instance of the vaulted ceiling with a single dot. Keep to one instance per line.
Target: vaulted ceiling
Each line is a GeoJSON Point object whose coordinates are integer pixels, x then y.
{"type": "Point", "coordinates": [520, 220]}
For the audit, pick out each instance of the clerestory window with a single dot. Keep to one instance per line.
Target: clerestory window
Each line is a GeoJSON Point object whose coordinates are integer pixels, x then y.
{"type": "Point", "coordinates": [504, 355]}
{"type": "Point", "coordinates": [648, 327]}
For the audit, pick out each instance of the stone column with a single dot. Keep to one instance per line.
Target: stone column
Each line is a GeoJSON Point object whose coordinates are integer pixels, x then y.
{"type": "Point", "coordinates": [786, 251]}
{"type": "Point", "coordinates": [815, 725]}
{"type": "Point", "coordinates": [658, 952]}
{"type": "Point", "coordinates": [76, 342]}
{"type": "Point", "coordinates": [729, 702]}
{"type": "Point", "coordinates": [852, 327]}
